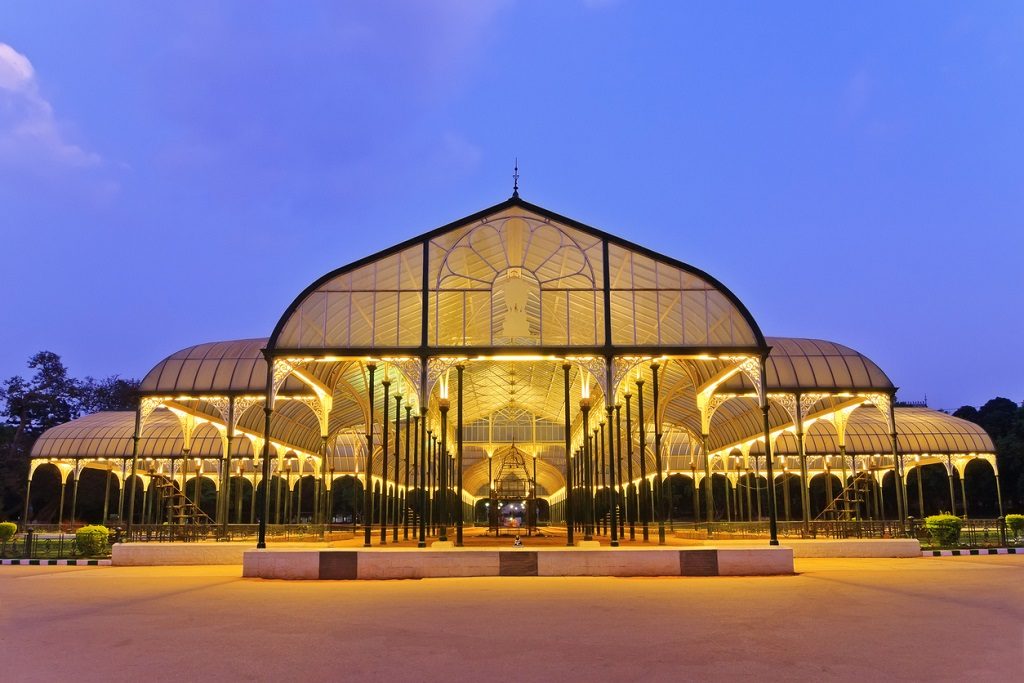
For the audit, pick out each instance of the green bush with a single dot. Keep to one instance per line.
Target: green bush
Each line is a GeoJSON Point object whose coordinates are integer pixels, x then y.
{"type": "Point", "coordinates": [944, 529]}
{"type": "Point", "coordinates": [1015, 523]}
{"type": "Point", "coordinates": [8, 529]}
{"type": "Point", "coordinates": [92, 540]}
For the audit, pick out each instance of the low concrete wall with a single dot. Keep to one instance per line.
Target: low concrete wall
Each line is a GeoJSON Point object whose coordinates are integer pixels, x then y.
{"type": "Point", "coordinates": [401, 563]}
{"type": "Point", "coordinates": [150, 554]}
{"type": "Point", "coordinates": [857, 547]}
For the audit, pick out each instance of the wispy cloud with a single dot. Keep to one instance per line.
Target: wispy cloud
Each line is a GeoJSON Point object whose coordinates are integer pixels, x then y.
{"type": "Point", "coordinates": [30, 134]}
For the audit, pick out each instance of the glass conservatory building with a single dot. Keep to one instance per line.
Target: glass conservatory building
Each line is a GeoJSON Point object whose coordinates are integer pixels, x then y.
{"type": "Point", "coordinates": [515, 367]}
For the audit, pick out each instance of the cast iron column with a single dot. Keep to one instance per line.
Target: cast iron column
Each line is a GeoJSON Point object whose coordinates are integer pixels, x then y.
{"type": "Point", "coordinates": [398, 441]}
{"type": "Point", "coordinates": [773, 522]}
{"type": "Point", "coordinates": [569, 516]}
{"type": "Point", "coordinates": [268, 411]}
{"type": "Point", "coordinates": [459, 520]}
{"type": "Point", "coordinates": [135, 465]}
{"type": "Point", "coordinates": [442, 486]}
{"type": "Point", "coordinates": [659, 481]}
{"type": "Point", "coordinates": [709, 491]}
{"type": "Point", "coordinates": [952, 496]}
{"type": "Point", "coordinates": [368, 489]}
{"type": "Point", "coordinates": [408, 488]}
{"type": "Point", "coordinates": [421, 455]}
{"type": "Point", "coordinates": [631, 499]}
{"type": "Point", "coordinates": [644, 498]}
{"type": "Point", "coordinates": [384, 498]}
{"type": "Point", "coordinates": [588, 529]}
{"type": "Point", "coordinates": [613, 520]}
{"type": "Point", "coordinates": [601, 471]}
{"type": "Point", "coordinates": [618, 458]}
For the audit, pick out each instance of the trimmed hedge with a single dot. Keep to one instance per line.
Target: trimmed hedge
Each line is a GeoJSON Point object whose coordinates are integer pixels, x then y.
{"type": "Point", "coordinates": [92, 540]}
{"type": "Point", "coordinates": [7, 531]}
{"type": "Point", "coordinates": [944, 529]}
{"type": "Point", "coordinates": [1015, 523]}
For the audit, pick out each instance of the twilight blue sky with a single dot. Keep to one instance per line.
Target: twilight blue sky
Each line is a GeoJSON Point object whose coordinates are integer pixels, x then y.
{"type": "Point", "coordinates": [852, 171]}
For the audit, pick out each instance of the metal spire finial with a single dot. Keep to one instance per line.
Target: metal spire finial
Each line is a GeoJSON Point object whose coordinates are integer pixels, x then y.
{"type": "Point", "coordinates": [515, 180]}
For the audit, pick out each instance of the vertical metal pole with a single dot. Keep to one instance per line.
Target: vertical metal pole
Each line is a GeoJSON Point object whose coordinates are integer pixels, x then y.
{"type": "Point", "coordinates": [408, 486]}
{"type": "Point", "coordinates": [897, 465]}
{"type": "Point", "coordinates": [459, 520]}
{"type": "Point", "coordinates": [963, 491]}
{"type": "Point", "coordinates": [757, 486]}
{"type": "Point", "coordinates": [432, 478]}
{"type": "Point", "coordinates": [398, 439]}
{"type": "Point", "coordinates": [773, 523]}
{"type": "Point", "coordinates": [60, 507]}
{"type": "Point", "coordinates": [709, 491]}
{"type": "Point", "coordinates": [74, 494]}
{"type": "Point", "coordinates": [999, 493]}
{"type": "Point", "coordinates": [268, 410]}
{"type": "Point", "coordinates": [601, 478]}
{"type": "Point", "coordinates": [442, 487]}
{"type": "Point", "coordinates": [746, 491]}
{"type": "Point", "coordinates": [659, 483]}
{"type": "Point", "coordinates": [368, 472]}
{"type": "Point", "coordinates": [621, 497]}
{"type": "Point", "coordinates": [28, 495]}
{"type": "Point", "coordinates": [952, 496]}
{"type": "Point", "coordinates": [421, 455]}
{"type": "Point", "coordinates": [846, 482]}
{"type": "Point", "coordinates": [644, 498]}
{"type": "Point", "coordinates": [570, 518]}
{"type": "Point", "coordinates": [805, 484]}
{"type": "Point", "coordinates": [695, 498]}
{"type": "Point", "coordinates": [135, 466]}
{"type": "Point", "coordinates": [588, 530]}
{"type": "Point", "coordinates": [384, 497]}
{"type": "Point", "coordinates": [920, 490]}
{"type": "Point", "coordinates": [631, 499]}
{"type": "Point", "coordinates": [614, 522]}
{"type": "Point", "coordinates": [224, 505]}
{"type": "Point", "coordinates": [120, 490]}
{"type": "Point", "coordinates": [106, 496]}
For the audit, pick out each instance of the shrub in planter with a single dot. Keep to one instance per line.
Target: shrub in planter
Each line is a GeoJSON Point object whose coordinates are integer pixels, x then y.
{"type": "Point", "coordinates": [1015, 523]}
{"type": "Point", "coordinates": [8, 529]}
{"type": "Point", "coordinates": [92, 540]}
{"type": "Point", "coordinates": [943, 529]}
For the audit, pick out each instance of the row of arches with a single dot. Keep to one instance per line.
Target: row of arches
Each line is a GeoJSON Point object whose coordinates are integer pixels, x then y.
{"type": "Point", "coordinates": [927, 494]}
{"type": "Point", "coordinates": [96, 496]}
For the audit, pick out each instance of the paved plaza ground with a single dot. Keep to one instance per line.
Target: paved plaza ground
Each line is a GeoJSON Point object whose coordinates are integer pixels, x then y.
{"type": "Point", "coordinates": [873, 620]}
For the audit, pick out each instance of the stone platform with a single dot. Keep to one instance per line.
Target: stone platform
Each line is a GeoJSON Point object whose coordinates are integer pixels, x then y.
{"type": "Point", "coordinates": [165, 554]}
{"type": "Point", "coordinates": [404, 563]}
{"type": "Point", "coordinates": [856, 547]}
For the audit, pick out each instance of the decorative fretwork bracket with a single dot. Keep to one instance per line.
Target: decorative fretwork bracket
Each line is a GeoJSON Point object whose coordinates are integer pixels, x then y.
{"type": "Point", "coordinates": [597, 368]}
{"type": "Point", "coordinates": [410, 369]}
{"type": "Point", "coordinates": [622, 366]}
{"type": "Point", "coordinates": [807, 402]}
{"type": "Point", "coordinates": [884, 404]}
{"type": "Point", "coordinates": [437, 368]}
{"type": "Point", "coordinates": [187, 421]}
{"type": "Point", "coordinates": [146, 407]}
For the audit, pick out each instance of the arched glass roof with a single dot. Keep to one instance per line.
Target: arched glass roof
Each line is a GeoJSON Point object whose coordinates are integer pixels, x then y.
{"type": "Point", "coordinates": [225, 367]}
{"type": "Point", "coordinates": [919, 431]}
{"type": "Point", "coordinates": [109, 435]}
{"type": "Point", "coordinates": [515, 275]}
{"type": "Point", "coordinates": [797, 364]}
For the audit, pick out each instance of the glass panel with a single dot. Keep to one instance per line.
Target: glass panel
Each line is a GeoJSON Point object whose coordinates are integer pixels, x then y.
{"type": "Point", "coordinates": [361, 319]}
{"type": "Point", "coordinates": [385, 332]}
{"type": "Point", "coordinates": [554, 320]}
